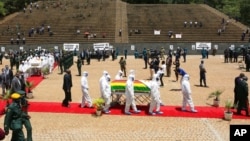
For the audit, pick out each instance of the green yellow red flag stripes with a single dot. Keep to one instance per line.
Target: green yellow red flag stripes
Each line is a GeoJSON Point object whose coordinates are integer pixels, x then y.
{"type": "Point", "coordinates": [120, 85]}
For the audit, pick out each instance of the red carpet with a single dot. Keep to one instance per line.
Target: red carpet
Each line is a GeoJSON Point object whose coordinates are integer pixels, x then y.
{"type": "Point", "coordinates": [36, 79]}
{"type": "Point", "coordinates": [169, 111]}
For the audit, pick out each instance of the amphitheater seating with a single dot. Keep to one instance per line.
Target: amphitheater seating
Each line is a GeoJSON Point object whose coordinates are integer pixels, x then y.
{"type": "Point", "coordinates": [167, 18]}
{"type": "Point", "coordinates": [98, 17]}
{"type": "Point", "coordinates": [64, 19]}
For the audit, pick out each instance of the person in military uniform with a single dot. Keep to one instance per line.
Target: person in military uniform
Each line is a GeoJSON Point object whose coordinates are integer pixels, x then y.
{"type": "Point", "coordinates": [177, 65]}
{"type": "Point", "coordinates": [17, 61]}
{"type": "Point", "coordinates": [26, 121]}
{"type": "Point", "coordinates": [123, 64]}
{"type": "Point", "coordinates": [169, 64]}
{"type": "Point", "coordinates": [13, 118]}
{"type": "Point", "coordinates": [145, 58]}
{"type": "Point", "coordinates": [79, 65]}
{"type": "Point", "coordinates": [1, 58]}
{"type": "Point", "coordinates": [60, 59]}
{"type": "Point", "coordinates": [162, 53]}
{"type": "Point", "coordinates": [12, 61]}
{"type": "Point", "coordinates": [247, 62]}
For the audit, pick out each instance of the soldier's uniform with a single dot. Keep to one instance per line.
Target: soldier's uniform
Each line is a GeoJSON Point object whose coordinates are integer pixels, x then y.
{"type": "Point", "coordinates": [61, 64]}
{"type": "Point", "coordinates": [13, 119]}
{"type": "Point", "coordinates": [79, 65]}
{"type": "Point", "coordinates": [162, 53]}
{"type": "Point", "coordinates": [26, 118]}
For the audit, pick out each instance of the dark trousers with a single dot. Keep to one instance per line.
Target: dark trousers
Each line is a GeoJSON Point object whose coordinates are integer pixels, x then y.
{"type": "Point", "coordinates": [67, 98]}
{"type": "Point", "coordinates": [161, 76]}
{"type": "Point", "coordinates": [168, 71]}
{"type": "Point", "coordinates": [184, 57]}
{"type": "Point", "coordinates": [61, 69]}
{"type": "Point", "coordinates": [235, 99]}
{"type": "Point", "coordinates": [146, 63]}
{"type": "Point", "coordinates": [247, 66]}
{"type": "Point", "coordinates": [88, 61]}
{"type": "Point", "coordinates": [28, 127]}
{"type": "Point", "coordinates": [79, 71]}
{"type": "Point", "coordinates": [243, 104]}
{"type": "Point", "coordinates": [17, 135]}
{"type": "Point", "coordinates": [203, 79]}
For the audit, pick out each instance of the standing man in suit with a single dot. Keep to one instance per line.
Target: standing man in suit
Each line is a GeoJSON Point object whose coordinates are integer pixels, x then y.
{"type": "Point", "coordinates": [8, 77]}
{"type": "Point", "coordinates": [82, 56]}
{"type": "Point", "coordinates": [67, 84]}
{"type": "Point", "coordinates": [16, 83]}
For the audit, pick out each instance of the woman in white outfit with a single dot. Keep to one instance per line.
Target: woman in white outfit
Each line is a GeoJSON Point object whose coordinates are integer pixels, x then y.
{"type": "Point", "coordinates": [186, 91]}
{"type": "Point", "coordinates": [86, 100]}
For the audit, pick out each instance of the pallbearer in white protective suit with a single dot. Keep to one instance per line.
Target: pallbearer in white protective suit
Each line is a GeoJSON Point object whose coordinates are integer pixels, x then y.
{"type": "Point", "coordinates": [155, 96]}
{"type": "Point", "coordinates": [119, 75]}
{"type": "Point", "coordinates": [51, 63]}
{"type": "Point", "coordinates": [86, 100]}
{"type": "Point", "coordinates": [186, 91]}
{"type": "Point", "coordinates": [103, 78]}
{"type": "Point", "coordinates": [130, 96]}
{"type": "Point", "coordinates": [106, 94]}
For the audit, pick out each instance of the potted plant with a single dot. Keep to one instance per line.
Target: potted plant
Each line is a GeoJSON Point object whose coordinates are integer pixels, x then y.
{"type": "Point", "coordinates": [228, 114]}
{"type": "Point", "coordinates": [99, 104]}
{"type": "Point", "coordinates": [29, 85]}
{"type": "Point", "coordinates": [216, 95]}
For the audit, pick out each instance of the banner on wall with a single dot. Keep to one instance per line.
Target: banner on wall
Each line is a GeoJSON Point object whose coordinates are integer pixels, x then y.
{"type": "Point", "coordinates": [157, 32]}
{"type": "Point", "coordinates": [178, 35]}
{"type": "Point", "coordinates": [71, 46]}
{"type": "Point", "coordinates": [201, 45]}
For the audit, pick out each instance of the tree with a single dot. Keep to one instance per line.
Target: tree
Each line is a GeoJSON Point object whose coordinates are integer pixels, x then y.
{"type": "Point", "coordinates": [2, 10]}
{"type": "Point", "coordinates": [244, 12]}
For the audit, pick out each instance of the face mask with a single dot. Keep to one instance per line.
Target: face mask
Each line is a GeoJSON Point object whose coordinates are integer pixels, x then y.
{"type": "Point", "coordinates": [157, 79]}
{"type": "Point", "coordinates": [132, 79]}
{"type": "Point", "coordinates": [108, 79]}
{"type": "Point", "coordinates": [86, 75]}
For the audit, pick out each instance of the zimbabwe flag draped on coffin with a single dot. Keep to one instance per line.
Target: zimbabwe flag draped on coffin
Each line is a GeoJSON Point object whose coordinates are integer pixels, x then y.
{"type": "Point", "coordinates": [140, 86]}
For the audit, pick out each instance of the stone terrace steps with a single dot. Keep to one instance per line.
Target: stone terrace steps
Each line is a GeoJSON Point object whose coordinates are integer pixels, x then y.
{"type": "Point", "coordinates": [64, 23]}
{"type": "Point", "coordinates": [148, 18]}
{"type": "Point", "coordinates": [108, 16]}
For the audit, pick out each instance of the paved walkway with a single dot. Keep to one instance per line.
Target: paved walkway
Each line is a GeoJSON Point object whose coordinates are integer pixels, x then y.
{"type": "Point", "coordinates": [80, 127]}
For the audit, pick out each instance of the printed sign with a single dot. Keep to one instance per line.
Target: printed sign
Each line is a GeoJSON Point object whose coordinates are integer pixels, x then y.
{"type": "Point", "coordinates": [71, 46]}
{"type": "Point", "coordinates": [205, 45]}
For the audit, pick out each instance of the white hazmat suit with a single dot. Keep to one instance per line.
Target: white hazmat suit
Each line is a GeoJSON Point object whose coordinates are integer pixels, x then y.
{"type": "Point", "coordinates": [186, 91]}
{"type": "Point", "coordinates": [86, 100]}
{"type": "Point", "coordinates": [103, 78]}
{"type": "Point", "coordinates": [106, 94]}
{"type": "Point", "coordinates": [130, 96]}
{"type": "Point", "coordinates": [51, 63]}
{"type": "Point", "coordinates": [119, 75]}
{"type": "Point", "coordinates": [155, 96]}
